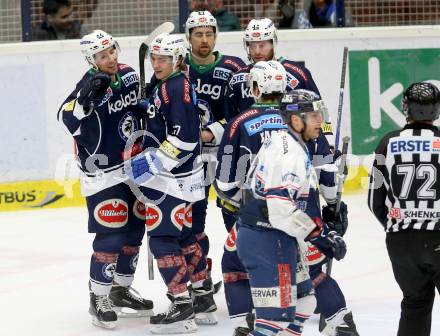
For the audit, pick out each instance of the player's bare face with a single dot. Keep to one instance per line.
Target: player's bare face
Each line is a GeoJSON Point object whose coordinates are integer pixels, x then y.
{"type": "Point", "coordinates": [107, 61]}
{"type": "Point", "coordinates": [162, 66]}
{"type": "Point", "coordinates": [313, 125]}
{"type": "Point", "coordinates": [261, 51]}
{"type": "Point", "coordinates": [202, 40]}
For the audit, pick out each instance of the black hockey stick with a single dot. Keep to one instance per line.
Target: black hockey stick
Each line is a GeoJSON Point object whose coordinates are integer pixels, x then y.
{"type": "Point", "coordinates": [341, 97]}
{"type": "Point", "coordinates": [342, 174]}
{"type": "Point", "coordinates": [166, 27]}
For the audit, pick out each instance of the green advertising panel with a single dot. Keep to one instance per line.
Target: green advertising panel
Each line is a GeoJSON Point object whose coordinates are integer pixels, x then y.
{"type": "Point", "coordinates": [377, 81]}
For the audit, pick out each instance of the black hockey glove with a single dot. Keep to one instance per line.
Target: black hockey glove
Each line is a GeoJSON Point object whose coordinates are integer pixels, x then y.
{"type": "Point", "coordinates": [331, 244]}
{"type": "Point", "coordinates": [94, 90]}
{"type": "Point", "coordinates": [339, 222]}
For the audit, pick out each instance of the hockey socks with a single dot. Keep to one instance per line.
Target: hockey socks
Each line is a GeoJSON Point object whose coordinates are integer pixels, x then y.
{"type": "Point", "coordinates": [102, 267]}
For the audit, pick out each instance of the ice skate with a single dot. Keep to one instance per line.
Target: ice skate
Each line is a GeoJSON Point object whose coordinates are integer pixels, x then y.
{"type": "Point", "coordinates": [179, 319]}
{"type": "Point", "coordinates": [204, 304]}
{"type": "Point", "coordinates": [241, 331]}
{"type": "Point", "coordinates": [245, 331]}
{"type": "Point", "coordinates": [127, 302]}
{"type": "Point", "coordinates": [102, 313]}
{"type": "Point", "coordinates": [346, 326]}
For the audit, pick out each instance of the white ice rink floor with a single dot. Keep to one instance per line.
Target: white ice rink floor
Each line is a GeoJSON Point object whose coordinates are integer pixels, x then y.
{"type": "Point", "coordinates": [44, 269]}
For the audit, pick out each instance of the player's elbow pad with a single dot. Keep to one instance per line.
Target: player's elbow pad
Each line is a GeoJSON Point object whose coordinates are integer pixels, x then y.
{"type": "Point", "coordinates": [298, 225]}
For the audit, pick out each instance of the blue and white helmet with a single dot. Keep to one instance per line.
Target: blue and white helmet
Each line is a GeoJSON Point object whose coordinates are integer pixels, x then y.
{"type": "Point", "coordinates": [93, 43]}
{"type": "Point", "coordinates": [269, 76]}
{"type": "Point", "coordinates": [200, 19]}
{"type": "Point", "coordinates": [169, 45]}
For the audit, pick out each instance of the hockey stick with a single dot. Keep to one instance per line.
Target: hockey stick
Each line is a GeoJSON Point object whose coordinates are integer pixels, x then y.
{"type": "Point", "coordinates": [342, 174]}
{"type": "Point", "coordinates": [166, 27]}
{"type": "Point", "coordinates": [341, 97]}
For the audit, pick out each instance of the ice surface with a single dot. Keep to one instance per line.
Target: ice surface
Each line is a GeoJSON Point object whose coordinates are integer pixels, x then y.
{"type": "Point", "coordinates": [44, 271]}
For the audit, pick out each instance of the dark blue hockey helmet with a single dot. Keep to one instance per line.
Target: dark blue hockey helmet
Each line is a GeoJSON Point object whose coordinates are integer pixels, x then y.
{"type": "Point", "coordinates": [421, 102]}
{"type": "Point", "coordinates": [300, 102]}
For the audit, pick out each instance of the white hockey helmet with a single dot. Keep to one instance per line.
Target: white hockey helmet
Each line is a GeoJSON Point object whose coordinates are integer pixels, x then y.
{"type": "Point", "coordinates": [269, 76]}
{"type": "Point", "coordinates": [200, 19]}
{"type": "Point", "coordinates": [260, 30]}
{"type": "Point", "coordinates": [169, 45]}
{"type": "Point", "coordinates": [93, 43]}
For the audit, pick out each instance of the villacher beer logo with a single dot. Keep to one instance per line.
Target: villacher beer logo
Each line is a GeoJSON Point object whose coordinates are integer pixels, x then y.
{"type": "Point", "coordinates": [153, 216]}
{"type": "Point", "coordinates": [112, 213]}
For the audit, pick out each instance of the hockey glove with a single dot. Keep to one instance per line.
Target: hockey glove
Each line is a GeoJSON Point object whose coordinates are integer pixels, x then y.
{"type": "Point", "coordinates": [331, 244]}
{"type": "Point", "coordinates": [143, 167]}
{"type": "Point", "coordinates": [336, 222]}
{"type": "Point", "coordinates": [94, 90]}
{"type": "Point", "coordinates": [227, 207]}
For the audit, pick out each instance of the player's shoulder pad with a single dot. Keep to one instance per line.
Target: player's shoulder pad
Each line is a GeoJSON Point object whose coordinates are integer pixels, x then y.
{"type": "Point", "coordinates": [128, 75]}
{"type": "Point", "coordinates": [297, 69]}
{"type": "Point", "coordinates": [233, 63]}
{"type": "Point", "coordinates": [238, 120]}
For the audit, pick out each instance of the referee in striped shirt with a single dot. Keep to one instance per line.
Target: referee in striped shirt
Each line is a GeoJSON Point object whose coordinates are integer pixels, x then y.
{"type": "Point", "coordinates": [404, 195]}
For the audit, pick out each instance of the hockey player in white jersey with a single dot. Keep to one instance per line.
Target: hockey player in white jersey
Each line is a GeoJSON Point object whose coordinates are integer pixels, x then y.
{"type": "Point", "coordinates": [272, 214]}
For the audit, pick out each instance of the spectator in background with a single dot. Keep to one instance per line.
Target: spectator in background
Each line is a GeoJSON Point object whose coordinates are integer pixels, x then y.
{"type": "Point", "coordinates": [287, 9]}
{"type": "Point", "coordinates": [320, 14]}
{"type": "Point", "coordinates": [226, 21]}
{"type": "Point", "coordinates": [59, 22]}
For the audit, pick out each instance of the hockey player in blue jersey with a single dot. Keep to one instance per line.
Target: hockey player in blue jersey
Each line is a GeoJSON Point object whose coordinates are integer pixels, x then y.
{"type": "Point", "coordinates": [101, 114]}
{"type": "Point", "coordinates": [210, 72]}
{"type": "Point", "coordinates": [273, 213]}
{"type": "Point", "coordinates": [242, 139]}
{"type": "Point", "coordinates": [260, 41]}
{"type": "Point", "coordinates": [170, 172]}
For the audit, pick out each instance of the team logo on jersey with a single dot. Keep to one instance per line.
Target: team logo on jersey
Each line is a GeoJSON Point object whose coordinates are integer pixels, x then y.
{"type": "Point", "coordinates": [259, 124]}
{"type": "Point", "coordinates": [394, 213]}
{"type": "Point", "coordinates": [130, 78]}
{"type": "Point", "coordinates": [153, 216]}
{"type": "Point", "coordinates": [230, 244]}
{"type": "Point", "coordinates": [127, 126]}
{"type": "Point", "coordinates": [108, 270]}
{"type": "Point", "coordinates": [211, 90]}
{"type": "Point", "coordinates": [205, 112]}
{"type": "Point", "coordinates": [221, 73]}
{"type": "Point", "coordinates": [123, 102]}
{"type": "Point", "coordinates": [139, 210]}
{"type": "Point", "coordinates": [134, 262]}
{"type": "Point", "coordinates": [112, 213]}
{"type": "Point", "coordinates": [180, 217]}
